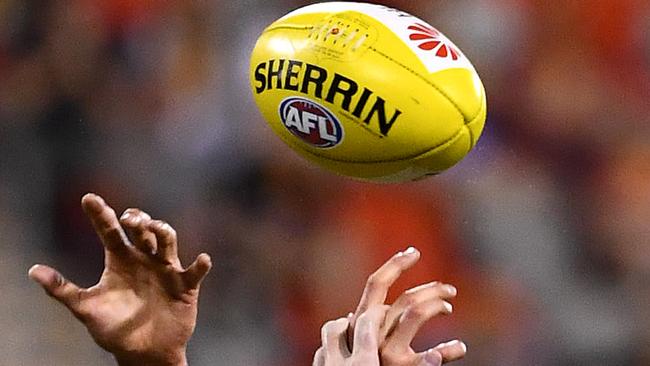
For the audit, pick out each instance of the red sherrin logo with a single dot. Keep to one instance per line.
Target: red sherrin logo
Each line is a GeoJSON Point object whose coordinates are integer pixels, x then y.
{"type": "Point", "coordinates": [431, 40]}
{"type": "Point", "coordinates": [311, 122]}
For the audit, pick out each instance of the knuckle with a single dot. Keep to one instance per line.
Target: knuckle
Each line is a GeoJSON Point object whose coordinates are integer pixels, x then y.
{"type": "Point", "coordinates": [329, 325]}
{"type": "Point", "coordinates": [144, 215]}
{"type": "Point", "coordinates": [167, 229]}
{"type": "Point", "coordinates": [342, 323]}
{"type": "Point", "coordinates": [132, 210]}
{"type": "Point", "coordinates": [334, 327]}
{"type": "Point", "coordinates": [415, 312]}
{"type": "Point", "coordinates": [376, 280]}
{"type": "Point", "coordinates": [398, 262]}
{"type": "Point", "coordinates": [148, 243]}
{"type": "Point", "coordinates": [171, 235]}
{"type": "Point", "coordinates": [113, 231]}
{"type": "Point", "coordinates": [362, 318]}
{"type": "Point", "coordinates": [423, 311]}
{"type": "Point", "coordinates": [373, 311]}
{"type": "Point", "coordinates": [407, 299]}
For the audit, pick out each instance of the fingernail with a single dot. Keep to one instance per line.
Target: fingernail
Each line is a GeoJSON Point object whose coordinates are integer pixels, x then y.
{"type": "Point", "coordinates": [93, 203]}
{"type": "Point", "coordinates": [31, 270]}
{"type": "Point", "coordinates": [448, 307]}
{"type": "Point", "coordinates": [410, 251]}
{"type": "Point", "coordinates": [125, 216]}
{"type": "Point", "coordinates": [451, 290]}
{"type": "Point", "coordinates": [206, 257]}
{"type": "Point", "coordinates": [455, 342]}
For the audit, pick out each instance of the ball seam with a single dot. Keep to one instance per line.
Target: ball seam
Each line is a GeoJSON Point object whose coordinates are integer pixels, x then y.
{"type": "Point", "coordinates": [432, 84]}
{"type": "Point", "coordinates": [287, 26]}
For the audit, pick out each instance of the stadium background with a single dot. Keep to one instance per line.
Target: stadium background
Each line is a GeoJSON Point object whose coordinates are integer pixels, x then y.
{"type": "Point", "coordinates": [543, 228]}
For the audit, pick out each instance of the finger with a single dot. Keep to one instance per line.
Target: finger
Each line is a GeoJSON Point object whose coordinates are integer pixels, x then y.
{"type": "Point", "coordinates": [136, 223]}
{"type": "Point", "coordinates": [105, 223]}
{"type": "Point", "coordinates": [366, 332]}
{"type": "Point", "coordinates": [429, 358]}
{"type": "Point", "coordinates": [167, 242]}
{"type": "Point", "coordinates": [319, 357]}
{"type": "Point", "coordinates": [412, 320]}
{"type": "Point", "coordinates": [416, 295]}
{"type": "Point", "coordinates": [379, 282]}
{"type": "Point", "coordinates": [452, 351]}
{"type": "Point", "coordinates": [333, 336]}
{"type": "Point", "coordinates": [197, 271]}
{"type": "Point", "coordinates": [56, 286]}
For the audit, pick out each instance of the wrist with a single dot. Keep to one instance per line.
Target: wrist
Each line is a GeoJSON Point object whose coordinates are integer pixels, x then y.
{"type": "Point", "coordinates": [173, 359]}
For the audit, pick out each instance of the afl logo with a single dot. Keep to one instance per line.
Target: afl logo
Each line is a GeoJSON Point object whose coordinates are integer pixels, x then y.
{"type": "Point", "coordinates": [311, 122]}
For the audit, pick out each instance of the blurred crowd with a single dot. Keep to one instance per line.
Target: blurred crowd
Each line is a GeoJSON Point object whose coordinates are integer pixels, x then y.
{"type": "Point", "coordinates": [544, 227]}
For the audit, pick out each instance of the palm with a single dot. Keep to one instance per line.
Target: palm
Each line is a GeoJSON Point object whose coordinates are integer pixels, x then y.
{"type": "Point", "coordinates": [126, 308]}
{"type": "Point", "coordinates": [144, 302]}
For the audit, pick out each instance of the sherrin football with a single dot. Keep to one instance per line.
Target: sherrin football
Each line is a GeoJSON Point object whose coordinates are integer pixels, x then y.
{"type": "Point", "coordinates": [367, 91]}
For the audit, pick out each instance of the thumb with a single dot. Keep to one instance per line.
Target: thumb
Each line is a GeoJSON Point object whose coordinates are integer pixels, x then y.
{"type": "Point", "coordinates": [56, 286]}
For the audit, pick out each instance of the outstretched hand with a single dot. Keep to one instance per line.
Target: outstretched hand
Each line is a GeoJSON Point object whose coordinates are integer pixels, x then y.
{"type": "Point", "coordinates": [144, 307]}
{"type": "Point", "coordinates": [407, 315]}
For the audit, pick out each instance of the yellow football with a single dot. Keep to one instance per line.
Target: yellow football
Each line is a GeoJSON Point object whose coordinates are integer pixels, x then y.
{"type": "Point", "coordinates": [367, 91]}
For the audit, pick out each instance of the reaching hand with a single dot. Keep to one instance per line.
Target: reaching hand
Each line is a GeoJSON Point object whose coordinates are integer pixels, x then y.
{"type": "Point", "coordinates": [144, 307]}
{"type": "Point", "coordinates": [408, 314]}
{"type": "Point", "coordinates": [334, 350]}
